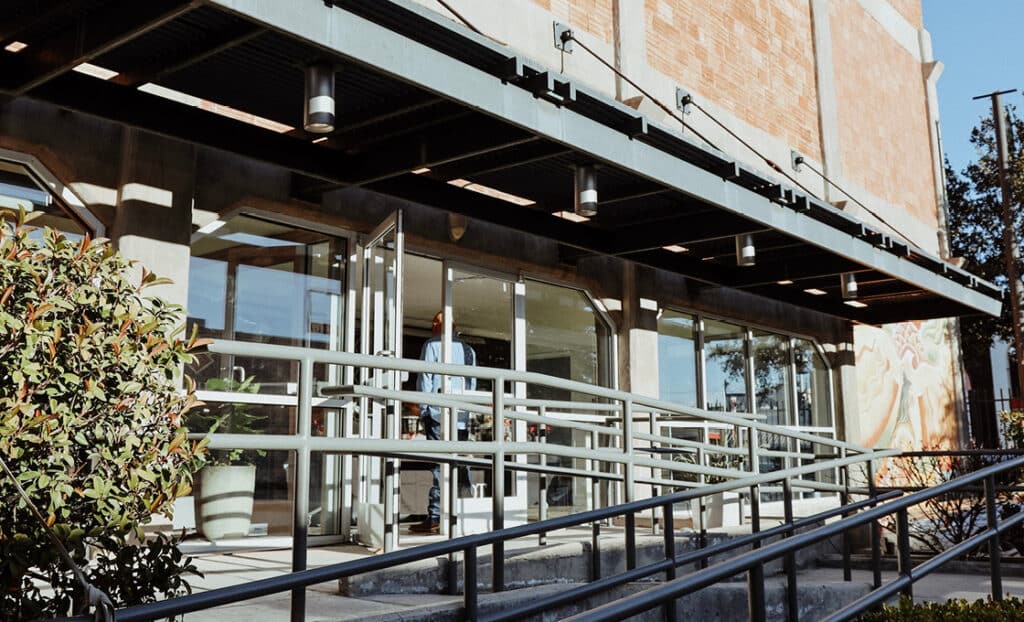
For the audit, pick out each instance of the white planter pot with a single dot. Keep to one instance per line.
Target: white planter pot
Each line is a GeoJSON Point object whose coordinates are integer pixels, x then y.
{"type": "Point", "coordinates": [721, 510]}
{"type": "Point", "coordinates": [225, 500]}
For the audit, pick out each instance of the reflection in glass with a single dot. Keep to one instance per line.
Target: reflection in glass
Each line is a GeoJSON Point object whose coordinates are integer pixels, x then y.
{"type": "Point", "coordinates": [21, 190]}
{"type": "Point", "coordinates": [771, 386]}
{"type": "Point", "coordinates": [482, 310]}
{"type": "Point", "coordinates": [677, 358]}
{"type": "Point", "coordinates": [253, 280]}
{"type": "Point", "coordinates": [812, 386]}
{"type": "Point", "coordinates": [726, 367]}
{"type": "Point", "coordinates": [564, 338]}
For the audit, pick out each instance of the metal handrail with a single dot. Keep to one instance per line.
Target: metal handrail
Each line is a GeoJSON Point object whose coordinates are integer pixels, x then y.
{"type": "Point", "coordinates": [465, 544]}
{"type": "Point", "coordinates": [624, 455]}
{"type": "Point", "coordinates": [670, 591]}
{"type": "Point", "coordinates": [262, 350]}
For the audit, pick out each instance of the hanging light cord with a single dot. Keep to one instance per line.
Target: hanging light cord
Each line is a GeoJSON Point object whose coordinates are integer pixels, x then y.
{"type": "Point", "coordinates": [103, 607]}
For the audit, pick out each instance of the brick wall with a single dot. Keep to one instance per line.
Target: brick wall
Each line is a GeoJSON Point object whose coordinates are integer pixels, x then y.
{"type": "Point", "coordinates": [910, 10]}
{"type": "Point", "coordinates": [755, 58]}
{"type": "Point", "coordinates": [593, 16]}
{"type": "Point", "coordinates": [883, 119]}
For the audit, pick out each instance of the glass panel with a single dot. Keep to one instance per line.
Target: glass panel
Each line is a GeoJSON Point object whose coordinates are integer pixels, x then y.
{"type": "Point", "coordinates": [771, 378]}
{"type": "Point", "coordinates": [677, 358]}
{"type": "Point", "coordinates": [254, 280]}
{"type": "Point", "coordinates": [812, 386]}
{"type": "Point", "coordinates": [726, 366]}
{"type": "Point", "coordinates": [21, 190]}
{"type": "Point", "coordinates": [563, 339]}
{"type": "Point", "coordinates": [482, 308]}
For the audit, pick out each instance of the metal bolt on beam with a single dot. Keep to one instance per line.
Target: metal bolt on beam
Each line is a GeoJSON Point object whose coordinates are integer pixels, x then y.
{"type": "Point", "coordinates": [563, 37]}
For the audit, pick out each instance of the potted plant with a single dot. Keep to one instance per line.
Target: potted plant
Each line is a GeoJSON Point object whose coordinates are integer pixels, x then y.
{"type": "Point", "coordinates": [228, 481]}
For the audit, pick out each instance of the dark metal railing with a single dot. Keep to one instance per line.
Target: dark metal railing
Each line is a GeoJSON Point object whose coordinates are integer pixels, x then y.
{"type": "Point", "coordinates": [908, 574]}
{"type": "Point", "coordinates": [468, 545]}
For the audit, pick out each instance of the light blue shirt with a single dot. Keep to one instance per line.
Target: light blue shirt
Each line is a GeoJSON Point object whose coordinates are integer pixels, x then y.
{"type": "Point", "coordinates": [462, 354]}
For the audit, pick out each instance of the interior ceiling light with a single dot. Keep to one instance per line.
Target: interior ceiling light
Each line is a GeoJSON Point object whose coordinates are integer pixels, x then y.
{"type": "Point", "coordinates": [317, 141]}
{"type": "Point", "coordinates": [420, 171]}
{"type": "Point", "coordinates": [96, 71]}
{"type": "Point", "coordinates": [675, 248]}
{"type": "Point", "coordinates": [855, 303]}
{"type": "Point", "coordinates": [848, 284]}
{"type": "Point", "coordinates": [785, 282]}
{"type": "Point", "coordinates": [494, 193]}
{"type": "Point", "coordinates": [586, 191]}
{"type": "Point", "coordinates": [318, 117]}
{"type": "Point", "coordinates": [746, 254]}
{"type": "Point", "coordinates": [571, 216]}
{"type": "Point", "coordinates": [15, 46]}
{"type": "Point", "coordinates": [218, 109]}
{"type": "Point", "coordinates": [814, 291]}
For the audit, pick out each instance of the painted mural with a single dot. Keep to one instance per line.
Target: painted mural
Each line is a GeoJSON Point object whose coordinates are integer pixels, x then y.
{"type": "Point", "coordinates": [906, 387]}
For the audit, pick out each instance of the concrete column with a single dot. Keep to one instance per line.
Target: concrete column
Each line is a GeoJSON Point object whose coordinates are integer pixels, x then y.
{"type": "Point", "coordinates": [630, 41]}
{"type": "Point", "coordinates": [828, 116]}
{"type": "Point", "coordinates": [152, 223]}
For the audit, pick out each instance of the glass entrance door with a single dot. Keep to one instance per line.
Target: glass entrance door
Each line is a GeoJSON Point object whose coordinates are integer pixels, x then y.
{"type": "Point", "coordinates": [380, 335]}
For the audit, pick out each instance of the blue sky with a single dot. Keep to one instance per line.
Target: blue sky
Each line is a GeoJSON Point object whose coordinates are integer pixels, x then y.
{"type": "Point", "coordinates": [978, 42]}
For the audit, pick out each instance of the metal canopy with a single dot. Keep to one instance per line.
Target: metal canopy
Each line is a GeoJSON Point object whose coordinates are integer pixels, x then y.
{"type": "Point", "coordinates": [416, 91]}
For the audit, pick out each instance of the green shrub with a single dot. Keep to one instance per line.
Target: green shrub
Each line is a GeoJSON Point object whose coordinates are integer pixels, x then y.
{"type": "Point", "coordinates": [954, 610]}
{"type": "Point", "coordinates": [91, 411]}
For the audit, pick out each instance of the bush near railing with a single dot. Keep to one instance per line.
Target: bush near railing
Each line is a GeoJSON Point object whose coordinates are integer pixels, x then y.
{"type": "Point", "coordinates": [950, 611]}
{"type": "Point", "coordinates": [941, 522]}
{"type": "Point", "coordinates": [90, 425]}
{"type": "Point", "coordinates": [1012, 423]}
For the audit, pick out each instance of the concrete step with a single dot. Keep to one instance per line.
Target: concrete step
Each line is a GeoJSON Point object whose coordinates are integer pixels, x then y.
{"type": "Point", "coordinates": [569, 562]}
{"type": "Point", "coordinates": [720, 602]}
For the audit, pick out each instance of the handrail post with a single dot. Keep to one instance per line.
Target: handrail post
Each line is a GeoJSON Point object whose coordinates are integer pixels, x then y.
{"type": "Point", "coordinates": [876, 536]}
{"type": "Point", "coordinates": [498, 484]}
{"type": "Point", "coordinates": [542, 478]}
{"type": "Point", "coordinates": [755, 577]}
{"type": "Point", "coordinates": [630, 540]}
{"type": "Point", "coordinates": [629, 494]}
{"type": "Point", "coordinates": [469, 584]}
{"type": "Point", "coordinates": [903, 546]}
{"type": "Point", "coordinates": [993, 543]}
{"type": "Point", "coordinates": [668, 530]}
{"type": "Point", "coordinates": [844, 499]}
{"type": "Point", "coordinates": [792, 606]}
{"type": "Point", "coordinates": [300, 517]}
{"type": "Point", "coordinates": [595, 551]}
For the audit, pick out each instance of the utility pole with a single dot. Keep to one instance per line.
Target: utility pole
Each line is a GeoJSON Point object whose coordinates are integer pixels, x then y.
{"type": "Point", "coordinates": [1011, 251]}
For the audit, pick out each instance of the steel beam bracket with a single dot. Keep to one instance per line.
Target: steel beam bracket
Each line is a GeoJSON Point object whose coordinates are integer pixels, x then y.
{"type": "Point", "coordinates": [796, 159]}
{"type": "Point", "coordinates": [563, 37]}
{"type": "Point", "coordinates": [683, 100]}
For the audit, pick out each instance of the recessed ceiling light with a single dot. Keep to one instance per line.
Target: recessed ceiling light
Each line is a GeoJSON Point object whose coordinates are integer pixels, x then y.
{"type": "Point", "coordinates": [855, 304]}
{"type": "Point", "coordinates": [319, 140]}
{"type": "Point", "coordinates": [815, 291]}
{"type": "Point", "coordinates": [785, 282]}
{"type": "Point", "coordinates": [420, 171]}
{"type": "Point", "coordinates": [15, 46]}
{"type": "Point", "coordinates": [675, 248]}
{"type": "Point", "coordinates": [708, 258]}
{"type": "Point", "coordinates": [572, 216]}
{"type": "Point", "coordinates": [494, 193]}
{"type": "Point", "coordinates": [96, 71]}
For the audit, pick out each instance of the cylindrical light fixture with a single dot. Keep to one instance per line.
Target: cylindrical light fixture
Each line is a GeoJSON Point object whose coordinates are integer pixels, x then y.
{"type": "Point", "coordinates": [746, 254]}
{"type": "Point", "coordinates": [848, 284]}
{"type": "Point", "coordinates": [586, 191]}
{"type": "Point", "coordinates": [318, 115]}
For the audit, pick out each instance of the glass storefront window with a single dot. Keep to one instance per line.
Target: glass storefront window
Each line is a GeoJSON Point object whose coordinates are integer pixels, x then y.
{"type": "Point", "coordinates": [771, 377]}
{"type": "Point", "coordinates": [812, 386]}
{"type": "Point", "coordinates": [254, 280]}
{"type": "Point", "coordinates": [565, 338]}
{"type": "Point", "coordinates": [726, 366]}
{"type": "Point", "coordinates": [482, 310]}
{"type": "Point", "coordinates": [677, 358]}
{"type": "Point", "coordinates": [21, 190]}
